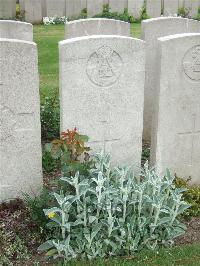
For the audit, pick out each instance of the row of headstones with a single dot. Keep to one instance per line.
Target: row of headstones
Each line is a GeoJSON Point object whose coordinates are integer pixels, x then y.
{"type": "Point", "coordinates": [105, 89]}
{"type": "Point", "coordinates": [35, 10]}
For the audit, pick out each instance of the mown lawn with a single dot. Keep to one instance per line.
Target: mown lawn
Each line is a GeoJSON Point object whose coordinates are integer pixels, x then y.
{"type": "Point", "coordinates": [47, 38]}
{"type": "Point", "coordinates": [187, 255]}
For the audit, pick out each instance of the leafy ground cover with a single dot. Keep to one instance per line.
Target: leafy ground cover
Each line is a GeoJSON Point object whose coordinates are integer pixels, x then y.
{"type": "Point", "coordinates": [19, 239]}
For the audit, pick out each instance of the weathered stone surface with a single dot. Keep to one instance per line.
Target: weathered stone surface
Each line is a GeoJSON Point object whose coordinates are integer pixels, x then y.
{"type": "Point", "coordinates": [151, 30]}
{"type": "Point", "coordinates": [170, 7]}
{"type": "Point", "coordinates": [20, 131]}
{"type": "Point", "coordinates": [7, 9]}
{"type": "Point", "coordinates": [44, 8]}
{"type": "Point", "coordinates": [117, 6]}
{"type": "Point", "coordinates": [33, 11]}
{"type": "Point", "coordinates": [96, 26]}
{"type": "Point", "coordinates": [55, 8]}
{"type": "Point", "coordinates": [74, 8]}
{"type": "Point", "coordinates": [102, 86]}
{"type": "Point", "coordinates": [153, 8]}
{"type": "Point", "coordinates": [135, 7]}
{"type": "Point", "coordinates": [22, 5]}
{"type": "Point", "coordinates": [192, 7]}
{"type": "Point", "coordinates": [177, 143]}
{"type": "Point", "coordinates": [94, 7]}
{"type": "Point", "coordinates": [16, 30]}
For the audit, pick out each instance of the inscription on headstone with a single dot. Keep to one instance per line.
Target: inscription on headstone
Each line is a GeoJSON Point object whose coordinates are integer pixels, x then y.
{"type": "Point", "coordinates": [102, 94]}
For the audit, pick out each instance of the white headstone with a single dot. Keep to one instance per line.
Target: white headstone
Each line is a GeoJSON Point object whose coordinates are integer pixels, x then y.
{"type": "Point", "coordinates": [101, 83]}
{"type": "Point", "coordinates": [33, 11]}
{"type": "Point", "coordinates": [177, 123]}
{"type": "Point", "coordinates": [170, 7]}
{"type": "Point", "coordinates": [20, 130]}
{"type": "Point", "coordinates": [192, 6]}
{"type": "Point", "coordinates": [44, 8]}
{"type": "Point", "coordinates": [55, 8]}
{"type": "Point", "coordinates": [74, 8]}
{"type": "Point", "coordinates": [117, 6]}
{"type": "Point", "coordinates": [153, 8]}
{"type": "Point", "coordinates": [16, 30]}
{"type": "Point", "coordinates": [151, 30]}
{"type": "Point", "coordinates": [94, 7]}
{"type": "Point", "coordinates": [7, 9]}
{"type": "Point", "coordinates": [96, 26]}
{"type": "Point", "coordinates": [135, 8]}
{"type": "Point", "coordinates": [22, 5]}
{"type": "Point", "coordinates": [181, 3]}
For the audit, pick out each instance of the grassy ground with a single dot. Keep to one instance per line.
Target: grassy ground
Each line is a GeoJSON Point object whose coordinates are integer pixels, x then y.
{"type": "Point", "coordinates": [188, 255]}
{"type": "Point", "coordinates": [47, 38]}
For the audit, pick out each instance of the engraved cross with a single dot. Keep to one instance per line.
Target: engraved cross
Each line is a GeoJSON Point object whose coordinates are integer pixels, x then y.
{"type": "Point", "coordinates": [105, 140]}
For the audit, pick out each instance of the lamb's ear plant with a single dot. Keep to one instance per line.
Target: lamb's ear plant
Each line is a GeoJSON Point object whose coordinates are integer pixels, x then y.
{"type": "Point", "coordinates": [112, 213]}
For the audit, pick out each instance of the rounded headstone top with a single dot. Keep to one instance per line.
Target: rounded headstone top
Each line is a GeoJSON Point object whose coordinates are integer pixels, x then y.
{"type": "Point", "coordinates": [16, 30]}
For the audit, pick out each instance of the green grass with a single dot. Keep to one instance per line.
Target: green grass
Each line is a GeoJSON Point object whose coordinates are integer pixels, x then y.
{"type": "Point", "coordinates": [188, 255]}
{"type": "Point", "coordinates": [47, 38]}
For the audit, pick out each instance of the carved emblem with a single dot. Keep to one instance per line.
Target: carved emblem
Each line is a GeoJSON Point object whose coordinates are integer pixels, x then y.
{"type": "Point", "coordinates": [104, 66]}
{"type": "Point", "coordinates": [191, 63]}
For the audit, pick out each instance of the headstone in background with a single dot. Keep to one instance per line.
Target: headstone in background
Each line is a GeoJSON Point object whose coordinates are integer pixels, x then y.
{"type": "Point", "coordinates": [177, 122]}
{"type": "Point", "coordinates": [7, 9]}
{"type": "Point", "coordinates": [192, 6]}
{"type": "Point", "coordinates": [33, 11]}
{"type": "Point", "coordinates": [94, 7]}
{"type": "Point", "coordinates": [22, 6]}
{"type": "Point", "coordinates": [117, 6]}
{"type": "Point", "coordinates": [16, 30]}
{"type": "Point", "coordinates": [135, 8]}
{"type": "Point", "coordinates": [20, 130]}
{"type": "Point", "coordinates": [55, 8]}
{"type": "Point", "coordinates": [170, 7]}
{"type": "Point", "coordinates": [101, 93]}
{"type": "Point", "coordinates": [153, 8]}
{"type": "Point", "coordinates": [74, 8]}
{"type": "Point", "coordinates": [96, 26]}
{"type": "Point", "coordinates": [151, 30]}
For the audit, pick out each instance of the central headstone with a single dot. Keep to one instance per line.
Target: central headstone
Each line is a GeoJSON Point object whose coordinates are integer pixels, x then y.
{"type": "Point", "coordinates": [102, 85]}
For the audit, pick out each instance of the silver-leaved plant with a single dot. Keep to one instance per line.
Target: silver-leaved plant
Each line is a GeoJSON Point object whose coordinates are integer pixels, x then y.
{"type": "Point", "coordinates": [114, 213]}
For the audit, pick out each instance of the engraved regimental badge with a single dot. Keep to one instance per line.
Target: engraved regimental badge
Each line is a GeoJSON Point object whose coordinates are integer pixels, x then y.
{"type": "Point", "coordinates": [104, 66]}
{"type": "Point", "coordinates": [191, 63]}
